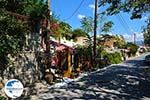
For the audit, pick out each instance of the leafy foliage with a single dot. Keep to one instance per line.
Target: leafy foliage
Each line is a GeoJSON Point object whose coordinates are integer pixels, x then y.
{"type": "Point", "coordinates": [61, 29]}
{"type": "Point", "coordinates": [2, 98]}
{"type": "Point", "coordinates": [15, 6]}
{"type": "Point", "coordinates": [101, 51]}
{"type": "Point", "coordinates": [12, 34]}
{"type": "Point", "coordinates": [136, 7]}
{"type": "Point", "coordinates": [87, 24]}
{"type": "Point", "coordinates": [65, 30]}
{"type": "Point", "coordinates": [107, 26]}
{"type": "Point", "coordinates": [147, 33]}
{"type": "Point", "coordinates": [118, 41]}
{"type": "Point", "coordinates": [133, 47]}
{"type": "Point", "coordinates": [12, 37]}
{"type": "Point", "coordinates": [78, 32]}
{"type": "Point", "coordinates": [84, 51]}
{"type": "Point", "coordinates": [85, 54]}
{"type": "Point", "coordinates": [36, 10]}
{"type": "Point", "coordinates": [114, 58]}
{"type": "Point", "coordinates": [102, 24]}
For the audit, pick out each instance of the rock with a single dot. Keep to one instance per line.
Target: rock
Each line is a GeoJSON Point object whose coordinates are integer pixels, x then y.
{"type": "Point", "coordinates": [49, 78]}
{"type": "Point", "coordinates": [33, 97]}
{"type": "Point", "coordinates": [2, 93]}
{"type": "Point", "coordinates": [1, 85]}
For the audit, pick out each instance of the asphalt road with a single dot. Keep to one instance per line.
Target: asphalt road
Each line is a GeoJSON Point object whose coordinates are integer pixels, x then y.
{"type": "Point", "coordinates": [126, 81]}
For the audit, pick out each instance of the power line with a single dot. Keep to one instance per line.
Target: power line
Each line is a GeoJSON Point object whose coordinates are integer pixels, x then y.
{"type": "Point", "coordinates": [129, 28]}
{"type": "Point", "coordinates": [75, 10]}
{"type": "Point", "coordinates": [122, 23]}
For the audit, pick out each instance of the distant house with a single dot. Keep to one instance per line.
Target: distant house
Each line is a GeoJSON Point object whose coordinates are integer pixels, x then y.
{"type": "Point", "coordinates": [82, 40]}
{"type": "Point", "coordinates": [109, 43]}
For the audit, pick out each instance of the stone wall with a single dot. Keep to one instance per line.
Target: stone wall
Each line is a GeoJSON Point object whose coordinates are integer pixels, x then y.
{"type": "Point", "coordinates": [26, 66]}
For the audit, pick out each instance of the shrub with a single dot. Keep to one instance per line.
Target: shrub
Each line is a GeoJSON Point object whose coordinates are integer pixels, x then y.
{"type": "Point", "coordinates": [2, 98]}
{"type": "Point", "coordinates": [114, 58]}
{"type": "Point", "coordinates": [101, 51]}
{"type": "Point", "coordinates": [132, 47]}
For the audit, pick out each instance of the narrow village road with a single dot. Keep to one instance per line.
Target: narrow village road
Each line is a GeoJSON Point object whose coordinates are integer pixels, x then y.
{"type": "Point", "coordinates": [125, 81]}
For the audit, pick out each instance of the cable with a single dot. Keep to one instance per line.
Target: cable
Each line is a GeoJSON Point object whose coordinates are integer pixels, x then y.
{"type": "Point", "coordinates": [129, 28]}
{"type": "Point", "coordinates": [122, 23]}
{"type": "Point", "coordinates": [75, 10]}
{"type": "Point", "coordinates": [126, 25]}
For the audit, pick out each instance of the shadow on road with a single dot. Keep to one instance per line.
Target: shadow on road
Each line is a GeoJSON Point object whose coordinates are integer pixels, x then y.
{"type": "Point", "coordinates": [118, 82]}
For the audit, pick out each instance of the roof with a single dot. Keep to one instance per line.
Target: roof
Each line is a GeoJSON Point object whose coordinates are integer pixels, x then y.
{"type": "Point", "coordinates": [60, 46]}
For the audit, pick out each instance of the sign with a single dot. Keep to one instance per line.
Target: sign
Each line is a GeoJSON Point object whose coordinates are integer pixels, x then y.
{"type": "Point", "coordinates": [13, 88]}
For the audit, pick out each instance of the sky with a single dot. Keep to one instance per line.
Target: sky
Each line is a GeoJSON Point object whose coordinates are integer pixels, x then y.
{"type": "Point", "coordinates": [64, 9]}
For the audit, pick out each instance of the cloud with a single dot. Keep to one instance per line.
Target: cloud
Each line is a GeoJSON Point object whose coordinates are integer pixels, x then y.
{"type": "Point", "coordinates": [130, 37]}
{"type": "Point", "coordinates": [92, 6]}
{"type": "Point", "coordinates": [139, 36]}
{"type": "Point", "coordinates": [81, 16]}
{"type": "Point", "coordinates": [109, 33]}
{"type": "Point", "coordinates": [144, 18]}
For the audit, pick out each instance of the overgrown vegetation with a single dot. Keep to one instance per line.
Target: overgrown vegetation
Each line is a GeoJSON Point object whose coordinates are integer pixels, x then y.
{"type": "Point", "coordinates": [112, 58]}
{"type": "Point", "coordinates": [12, 38]}
{"type": "Point", "coordinates": [136, 7]}
{"type": "Point", "coordinates": [146, 32]}
{"type": "Point", "coordinates": [2, 98]}
{"type": "Point", "coordinates": [132, 47]}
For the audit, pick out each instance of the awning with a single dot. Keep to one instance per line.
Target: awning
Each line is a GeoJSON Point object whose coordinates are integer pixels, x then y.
{"type": "Point", "coordinates": [60, 46]}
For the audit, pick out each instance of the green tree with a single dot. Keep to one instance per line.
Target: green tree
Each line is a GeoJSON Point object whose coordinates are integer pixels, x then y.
{"type": "Point", "coordinates": [65, 30]}
{"type": "Point", "coordinates": [60, 29]}
{"type": "Point", "coordinates": [15, 6]}
{"type": "Point", "coordinates": [36, 10]}
{"type": "Point", "coordinates": [103, 24]}
{"type": "Point", "coordinates": [78, 32]}
{"type": "Point", "coordinates": [107, 26]}
{"type": "Point", "coordinates": [146, 31]}
{"type": "Point", "coordinates": [12, 31]}
{"type": "Point", "coordinates": [136, 7]}
{"type": "Point", "coordinates": [12, 38]}
{"type": "Point", "coordinates": [87, 24]}
{"type": "Point", "coordinates": [119, 41]}
{"type": "Point", "coordinates": [132, 47]}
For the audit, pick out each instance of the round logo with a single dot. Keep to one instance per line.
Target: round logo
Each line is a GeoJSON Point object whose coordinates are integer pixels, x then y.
{"type": "Point", "coordinates": [13, 88]}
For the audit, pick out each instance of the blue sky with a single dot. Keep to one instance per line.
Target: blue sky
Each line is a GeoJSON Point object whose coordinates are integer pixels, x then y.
{"type": "Point", "coordinates": [65, 8]}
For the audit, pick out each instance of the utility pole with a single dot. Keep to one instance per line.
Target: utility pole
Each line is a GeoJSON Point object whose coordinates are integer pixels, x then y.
{"type": "Point", "coordinates": [95, 27]}
{"type": "Point", "coordinates": [49, 10]}
{"type": "Point", "coordinates": [49, 4]}
{"type": "Point", "coordinates": [134, 38]}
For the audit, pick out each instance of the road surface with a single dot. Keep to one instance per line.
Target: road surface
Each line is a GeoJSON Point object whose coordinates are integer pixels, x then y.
{"type": "Point", "coordinates": [125, 81]}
